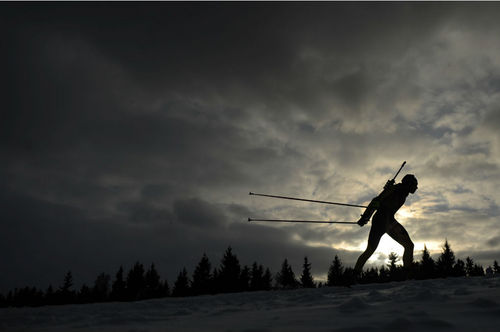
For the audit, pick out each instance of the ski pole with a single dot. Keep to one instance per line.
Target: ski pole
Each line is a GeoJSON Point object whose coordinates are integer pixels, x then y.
{"type": "Point", "coordinates": [304, 221]}
{"type": "Point", "coordinates": [308, 200]}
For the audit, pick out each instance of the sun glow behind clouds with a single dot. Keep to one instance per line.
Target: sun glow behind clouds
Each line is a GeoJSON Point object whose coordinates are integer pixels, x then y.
{"type": "Point", "coordinates": [404, 213]}
{"type": "Point", "coordinates": [388, 245]}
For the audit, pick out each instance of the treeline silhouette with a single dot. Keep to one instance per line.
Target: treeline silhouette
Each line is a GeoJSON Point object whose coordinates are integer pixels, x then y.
{"type": "Point", "coordinates": [230, 277]}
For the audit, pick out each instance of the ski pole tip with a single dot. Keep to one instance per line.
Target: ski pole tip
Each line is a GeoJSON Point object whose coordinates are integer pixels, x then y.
{"type": "Point", "coordinates": [249, 219]}
{"type": "Point", "coordinates": [250, 193]}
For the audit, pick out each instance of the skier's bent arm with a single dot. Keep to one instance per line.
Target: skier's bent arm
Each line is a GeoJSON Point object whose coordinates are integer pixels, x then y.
{"type": "Point", "coordinates": [372, 207]}
{"type": "Point", "coordinates": [375, 203]}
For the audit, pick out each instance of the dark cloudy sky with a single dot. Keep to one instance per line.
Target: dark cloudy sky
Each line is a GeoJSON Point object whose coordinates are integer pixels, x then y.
{"type": "Point", "coordinates": [135, 131]}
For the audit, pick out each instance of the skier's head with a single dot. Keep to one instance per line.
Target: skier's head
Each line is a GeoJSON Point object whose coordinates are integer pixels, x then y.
{"type": "Point", "coordinates": [411, 181]}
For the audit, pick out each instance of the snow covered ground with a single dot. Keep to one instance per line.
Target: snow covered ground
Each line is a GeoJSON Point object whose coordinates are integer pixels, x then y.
{"type": "Point", "coordinates": [456, 304]}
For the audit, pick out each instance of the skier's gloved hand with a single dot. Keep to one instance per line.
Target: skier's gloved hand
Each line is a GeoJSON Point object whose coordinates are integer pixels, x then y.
{"type": "Point", "coordinates": [389, 184]}
{"type": "Point", "coordinates": [363, 221]}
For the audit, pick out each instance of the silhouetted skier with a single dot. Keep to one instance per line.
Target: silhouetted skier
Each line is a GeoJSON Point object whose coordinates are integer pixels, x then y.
{"type": "Point", "coordinates": [387, 204]}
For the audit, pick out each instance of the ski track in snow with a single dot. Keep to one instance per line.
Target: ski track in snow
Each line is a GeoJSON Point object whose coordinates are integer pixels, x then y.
{"type": "Point", "coordinates": [454, 304]}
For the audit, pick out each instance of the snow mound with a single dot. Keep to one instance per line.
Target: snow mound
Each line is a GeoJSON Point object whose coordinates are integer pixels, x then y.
{"type": "Point", "coordinates": [462, 291]}
{"type": "Point", "coordinates": [354, 304]}
{"type": "Point", "coordinates": [399, 324]}
{"type": "Point", "coordinates": [483, 303]}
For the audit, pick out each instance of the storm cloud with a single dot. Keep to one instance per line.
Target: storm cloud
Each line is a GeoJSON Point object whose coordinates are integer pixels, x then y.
{"type": "Point", "coordinates": [135, 131]}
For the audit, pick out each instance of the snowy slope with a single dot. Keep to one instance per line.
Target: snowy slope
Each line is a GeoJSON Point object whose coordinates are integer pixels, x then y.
{"type": "Point", "coordinates": [456, 304]}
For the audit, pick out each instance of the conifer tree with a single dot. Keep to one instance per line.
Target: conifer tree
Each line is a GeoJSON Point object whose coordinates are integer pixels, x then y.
{"type": "Point", "coordinates": [100, 292]}
{"type": "Point", "coordinates": [181, 286]}
{"type": "Point", "coordinates": [165, 289]}
{"type": "Point", "coordinates": [306, 279]}
{"type": "Point", "coordinates": [216, 283]}
{"type": "Point", "coordinates": [49, 295]}
{"type": "Point", "coordinates": [37, 297]}
{"type": "Point", "coordinates": [469, 266]}
{"type": "Point", "coordinates": [256, 277]}
{"type": "Point", "coordinates": [66, 294]}
{"type": "Point", "coordinates": [478, 271]}
{"type": "Point", "coordinates": [459, 269]}
{"type": "Point", "coordinates": [427, 266]}
{"type": "Point", "coordinates": [285, 279]}
{"type": "Point", "coordinates": [335, 272]}
{"type": "Point", "coordinates": [267, 280]}
{"type": "Point", "coordinates": [496, 268]}
{"type": "Point", "coordinates": [85, 295]}
{"type": "Point", "coordinates": [136, 283]}
{"type": "Point", "coordinates": [9, 298]}
{"type": "Point", "coordinates": [118, 291]}
{"type": "Point", "coordinates": [152, 283]}
{"type": "Point", "coordinates": [229, 272]}
{"type": "Point", "coordinates": [369, 276]}
{"type": "Point", "coordinates": [446, 261]}
{"type": "Point", "coordinates": [395, 271]}
{"type": "Point", "coordinates": [68, 282]}
{"type": "Point", "coordinates": [393, 258]}
{"type": "Point", "coordinates": [383, 274]}
{"type": "Point", "coordinates": [202, 279]}
{"type": "Point", "coordinates": [245, 278]}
